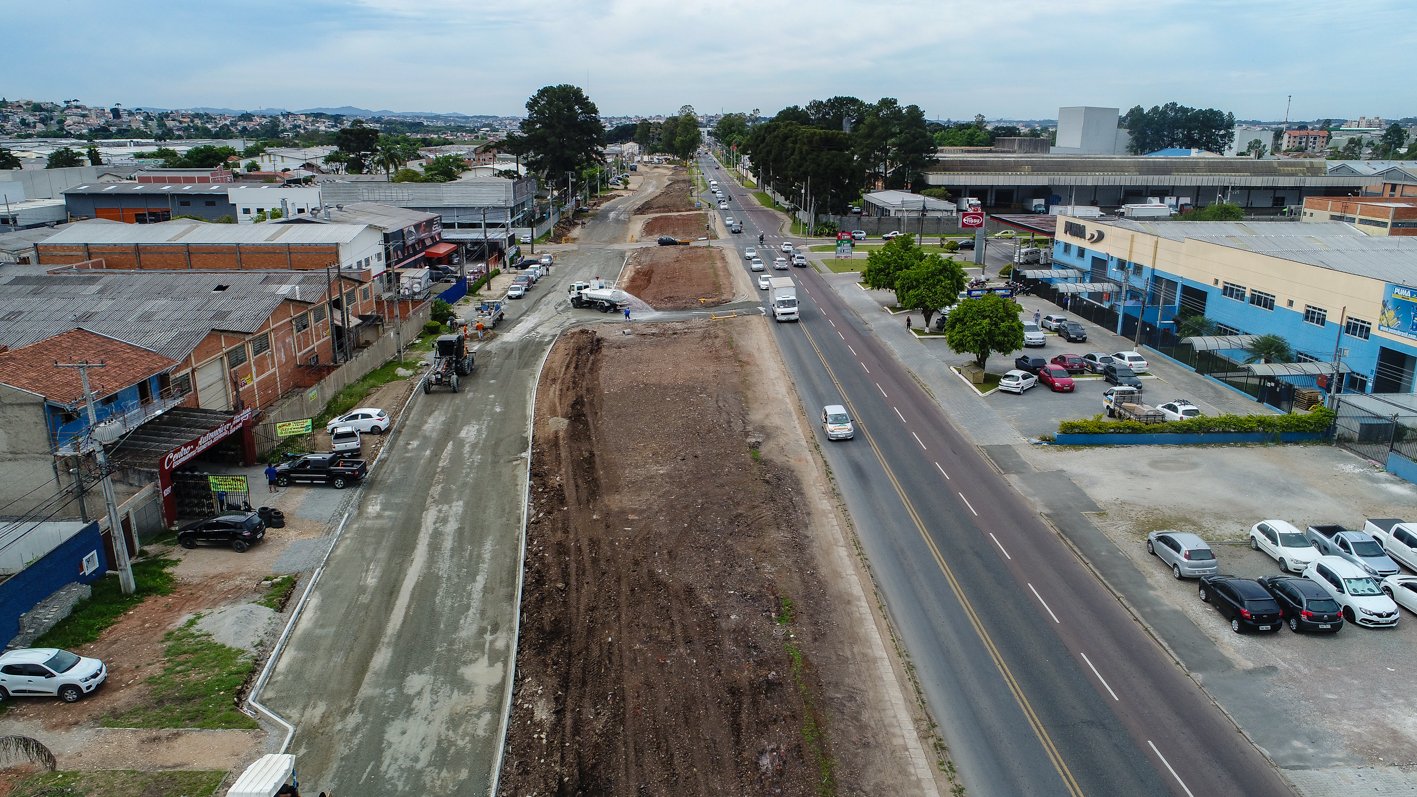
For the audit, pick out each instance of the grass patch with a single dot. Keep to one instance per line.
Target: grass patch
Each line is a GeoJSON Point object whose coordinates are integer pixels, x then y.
{"type": "Point", "coordinates": [197, 687]}
{"type": "Point", "coordinates": [119, 783]}
{"type": "Point", "coordinates": [747, 182]}
{"type": "Point", "coordinates": [107, 603]}
{"type": "Point", "coordinates": [766, 201]}
{"type": "Point", "coordinates": [352, 395]}
{"type": "Point", "coordinates": [814, 733]}
{"type": "Point", "coordinates": [277, 593]}
{"type": "Point", "coordinates": [843, 265]}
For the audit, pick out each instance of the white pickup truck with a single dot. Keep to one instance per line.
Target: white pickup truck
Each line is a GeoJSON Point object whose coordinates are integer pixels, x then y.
{"type": "Point", "coordinates": [1397, 537]}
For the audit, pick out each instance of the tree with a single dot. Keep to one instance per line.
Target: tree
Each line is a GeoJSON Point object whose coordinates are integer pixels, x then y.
{"type": "Point", "coordinates": [444, 168]}
{"type": "Point", "coordinates": [562, 132]}
{"type": "Point", "coordinates": [358, 143]}
{"type": "Point", "coordinates": [252, 166]}
{"type": "Point", "coordinates": [9, 160]}
{"type": "Point", "coordinates": [64, 158]}
{"type": "Point", "coordinates": [731, 130]}
{"type": "Point", "coordinates": [1269, 348]}
{"type": "Point", "coordinates": [1194, 325]}
{"type": "Point", "coordinates": [205, 156]}
{"type": "Point", "coordinates": [984, 326]}
{"type": "Point", "coordinates": [687, 137]}
{"type": "Point", "coordinates": [407, 176]}
{"type": "Point", "coordinates": [1220, 211]}
{"type": "Point", "coordinates": [95, 159]}
{"type": "Point", "coordinates": [1391, 142]}
{"type": "Point", "coordinates": [1256, 148]}
{"type": "Point", "coordinates": [1173, 125]}
{"type": "Point", "coordinates": [933, 284]}
{"type": "Point", "coordinates": [885, 265]}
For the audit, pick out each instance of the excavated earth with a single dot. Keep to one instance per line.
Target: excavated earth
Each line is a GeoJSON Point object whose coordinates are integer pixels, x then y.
{"type": "Point", "coordinates": [672, 198]}
{"type": "Point", "coordinates": [679, 277]}
{"type": "Point", "coordinates": [679, 225]}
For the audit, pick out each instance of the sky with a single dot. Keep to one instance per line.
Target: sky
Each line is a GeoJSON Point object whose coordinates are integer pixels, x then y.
{"type": "Point", "coordinates": [1005, 59]}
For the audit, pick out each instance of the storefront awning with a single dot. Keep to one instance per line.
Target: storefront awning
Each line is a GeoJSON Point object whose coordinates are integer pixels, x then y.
{"type": "Point", "coordinates": [1219, 342]}
{"type": "Point", "coordinates": [440, 250]}
{"type": "Point", "coordinates": [1086, 287]}
{"type": "Point", "coordinates": [1051, 273]}
{"type": "Point", "coordinates": [1295, 369]}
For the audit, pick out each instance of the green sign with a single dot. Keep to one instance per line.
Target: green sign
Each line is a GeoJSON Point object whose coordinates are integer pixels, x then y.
{"type": "Point", "coordinates": [292, 428]}
{"type": "Point", "coordinates": [229, 484]}
{"type": "Point", "coordinates": [844, 247]}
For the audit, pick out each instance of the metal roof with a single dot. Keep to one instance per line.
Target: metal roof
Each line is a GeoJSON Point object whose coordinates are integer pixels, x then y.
{"type": "Point", "coordinates": [1051, 273]}
{"type": "Point", "coordinates": [1219, 342]}
{"type": "Point", "coordinates": [186, 231]}
{"type": "Point", "coordinates": [385, 217]}
{"type": "Point", "coordinates": [1181, 230]}
{"type": "Point", "coordinates": [1294, 369]}
{"type": "Point", "coordinates": [1085, 287]}
{"type": "Point", "coordinates": [149, 188]}
{"type": "Point", "coordinates": [168, 312]}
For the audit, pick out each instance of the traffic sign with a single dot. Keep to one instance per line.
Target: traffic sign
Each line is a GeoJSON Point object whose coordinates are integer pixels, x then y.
{"type": "Point", "coordinates": [973, 219]}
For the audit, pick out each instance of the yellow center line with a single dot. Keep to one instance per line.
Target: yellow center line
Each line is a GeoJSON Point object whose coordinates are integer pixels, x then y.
{"type": "Point", "coordinates": [1042, 733]}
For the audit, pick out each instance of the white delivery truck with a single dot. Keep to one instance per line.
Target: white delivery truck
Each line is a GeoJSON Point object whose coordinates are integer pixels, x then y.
{"type": "Point", "coordinates": [1035, 206]}
{"type": "Point", "coordinates": [1145, 210]}
{"type": "Point", "coordinates": [783, 294]}
{"type": "Point", "coordinates": [1076, 211]}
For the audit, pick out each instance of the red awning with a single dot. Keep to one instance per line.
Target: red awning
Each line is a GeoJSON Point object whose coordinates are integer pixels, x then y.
{"type": "Point", "coordinates": [440, 250]}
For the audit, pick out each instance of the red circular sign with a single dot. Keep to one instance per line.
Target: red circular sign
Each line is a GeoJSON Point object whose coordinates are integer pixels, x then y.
{"type": "Point", "coordinates": [971, 219]}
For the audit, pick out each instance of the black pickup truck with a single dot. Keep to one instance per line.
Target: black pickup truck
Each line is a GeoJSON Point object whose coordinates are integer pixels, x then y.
{"type": "Point", "coordinates": [332, 469]}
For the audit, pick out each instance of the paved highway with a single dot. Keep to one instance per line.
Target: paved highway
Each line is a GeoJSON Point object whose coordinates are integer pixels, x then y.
{"type": "Point", "coordinates": [1041, 681]}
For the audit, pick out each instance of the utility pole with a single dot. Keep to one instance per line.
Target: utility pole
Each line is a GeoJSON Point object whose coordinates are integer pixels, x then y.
{"type": "Point", "coordinates": [115, 528]}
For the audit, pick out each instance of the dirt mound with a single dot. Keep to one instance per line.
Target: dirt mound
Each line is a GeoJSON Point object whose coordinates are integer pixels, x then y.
{"type": "Point", "coordinates": [661, 648]}
{"type": "Point", "coordinates": [672, 198]}
{"type": "Point", "coordinates": [679, 277]}
{"type": "Point", "coordinates": [679, 225]}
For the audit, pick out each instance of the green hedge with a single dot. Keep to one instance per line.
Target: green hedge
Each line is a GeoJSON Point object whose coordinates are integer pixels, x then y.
{"type": "Point", "coordinates": [1316, 421]}
{"type": "Point", "coordinates": [483, 280]}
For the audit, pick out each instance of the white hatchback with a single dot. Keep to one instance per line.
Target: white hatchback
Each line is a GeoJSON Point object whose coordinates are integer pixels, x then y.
{"type": "Point", "coordinates": [1285, 544]}
{"type": "Point", "coordinates": [1017, 381]}
{"type": "Point", "coordinates": [764, 282]}
{"type": "Point", "coordinates": [371, 420]}
{"type": "Point", "coordinates": [49, 672]}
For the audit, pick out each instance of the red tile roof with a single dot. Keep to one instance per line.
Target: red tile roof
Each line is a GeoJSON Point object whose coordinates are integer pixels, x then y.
{"type": "Point", "coordinates": [32, 367]}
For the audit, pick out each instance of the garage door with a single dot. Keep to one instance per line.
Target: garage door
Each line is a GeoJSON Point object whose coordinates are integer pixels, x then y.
{"type": "Point", "coordinates": [211, 386]}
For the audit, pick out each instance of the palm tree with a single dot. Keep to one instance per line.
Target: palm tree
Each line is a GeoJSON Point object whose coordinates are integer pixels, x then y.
{"type": "Point", "coordinates": [390, 159]}
{"type": "Point", "coordinates": [1194, 326]}
{"type": "Point", "coordinates": [1269, 348]}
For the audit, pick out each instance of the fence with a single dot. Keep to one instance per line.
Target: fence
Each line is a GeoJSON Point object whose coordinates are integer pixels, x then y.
{"type": "Point", "coordinates": [1377, 425]}
{"type": "Point", "coordinates": [311, 402]}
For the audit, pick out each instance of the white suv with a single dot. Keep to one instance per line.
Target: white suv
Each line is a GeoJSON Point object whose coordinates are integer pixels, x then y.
{"type": "Point", "coordinates": [49, 672]}
{"type": "Point", "coordinates": [1357, 592]}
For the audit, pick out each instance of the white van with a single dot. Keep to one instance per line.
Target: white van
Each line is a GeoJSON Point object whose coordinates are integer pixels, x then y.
{"type": "Point", "coordinates": [713, 184]}
{"type": "Point", "coordinates": [345, 440]}
{"type": "Point", "coordinates": [837, 423]}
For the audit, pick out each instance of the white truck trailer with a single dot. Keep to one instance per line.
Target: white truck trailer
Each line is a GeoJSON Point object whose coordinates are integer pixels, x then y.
{"type": "Point", "coordinates": [783, 294]}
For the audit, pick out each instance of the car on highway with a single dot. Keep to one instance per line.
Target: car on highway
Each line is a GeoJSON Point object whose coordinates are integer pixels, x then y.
{"type": "Point", "coordinates": [1115, 374]}
{"type": "Point", "coordinates": [668, 240]}
{"type": "Point", "coordinates": [1132, 360]}
{"type": "Point", "coordinates": [1281, 541]}
{"type": "Point", "coordinates": [1361, 598]}
{"type": "Point", "coordinates": [1179, 410]}
{"type": "Point", "coordinates": [965, 243]}
{"type": "Point", "coordinates": [1057, 379]}
{"type": "Point", "coordinates": [371, 420]}
{"type": "Point", "coordinates": [1187, 554]}
{"type": "Point", "coordinates": [750, 253]}
{"type": "Point", "coordinates": [1244, 602]}
{"type": "Point", "coordinates": [756, 264]}
{"type": "Point", "coordinates": [764, 282]}
{"type": "Point", "coordinates": [49, 672]}
{"type": "Point", "coordinates": [799, 260]}
{"type": "Point", "coordinates": [786, 247]}
{"type": "Point", "coordinates": [1096, 361]}
{"type": "Point", "coordinates": [858, 235]}
{"type": "Point", "coordinates": [892, 234]}
{"type": "Point", "coordinates": [779, 264]}
{"type": "Point", "coordinates": [1053, 322]}
{"type": "Point", "coordinates": [238, 530]}
{"type": "Point", "coordinates": [1004, 234]}
{"type": "Point", "coordinates": [1017, 381]}
{"type": "Point", "coordinates": [1028, 364]}
{"type": "Point", "coordinates": [1304, 605]}
{"type": "Point", "coordinates": [1033, 336]}
{"type": "Point", "coordinates": [1072, 362]}
{"type": "Point", "coordinates": [516, 290]}
{"type": "Point", "coordinates": [524, 238]}
{"type": "Point", "coordinates": [1073, 332]}
{"type": "Point", "coordinates": [1402, 590]}
{"type": "Point", "coordinates": [836, 423]}
{"type": "Point", "coordinates": [723, 206]}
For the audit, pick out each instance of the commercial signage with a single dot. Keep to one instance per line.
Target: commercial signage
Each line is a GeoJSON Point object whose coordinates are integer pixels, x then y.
{"type": "Point", "coordinates": [229, 484]}
{"type": "Point", "coordinates": [1075, 229]}
{"type": "Point", "coordinates": [1399, 313]}
{"type": "Point", "coordinates": [174, 458]}
{"type": "Point", "coordinates": [844, 247]}
{"type": "Point", "coordinates": [292, 428]}
{"type": "Point", "coordinates": [971, 219]}
{"type": "Point", "coordinates": [843, 235]}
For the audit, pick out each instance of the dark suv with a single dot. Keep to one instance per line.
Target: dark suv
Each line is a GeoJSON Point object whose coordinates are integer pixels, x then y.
{"type": "Point", "coordinates": [1072, 331]}
{"type": "Point", "coordinates": [1116, 374]}
{"type": "Point", "coordinates": [1030, 364]}
{"type": "Point", "coordinates": [1244, 602]}
{"type": "Point", "coordinates": [240, 530]}
{"type": "Point", "coordinates": [1305, 605]}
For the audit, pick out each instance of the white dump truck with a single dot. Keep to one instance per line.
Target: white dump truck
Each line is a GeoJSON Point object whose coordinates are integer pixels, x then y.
{"type": "Point", "coordinates": [783, 294]}
{"type": "Point", "coordinates": [598, 295]}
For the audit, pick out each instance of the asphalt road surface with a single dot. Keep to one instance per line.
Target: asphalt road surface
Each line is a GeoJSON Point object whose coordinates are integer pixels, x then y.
{"type": "Point", "coordinates": [1041, 681]}
{"type": "Point", "coordinates": [397, 675]}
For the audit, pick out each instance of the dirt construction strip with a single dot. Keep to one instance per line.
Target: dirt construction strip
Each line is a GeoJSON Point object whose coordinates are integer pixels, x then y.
{"type": "Point", "coordinates": [691, 622]}
{"type": "Point", "coordinates": [679, 277]}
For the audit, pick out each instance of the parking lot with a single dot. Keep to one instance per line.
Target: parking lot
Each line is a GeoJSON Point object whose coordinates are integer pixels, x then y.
{"type": "Point", "coordinates": [1335, 713]}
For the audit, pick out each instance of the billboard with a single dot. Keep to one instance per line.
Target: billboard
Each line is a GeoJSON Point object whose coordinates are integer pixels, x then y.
{"type": "Point", "coordinates": [1399, 313]}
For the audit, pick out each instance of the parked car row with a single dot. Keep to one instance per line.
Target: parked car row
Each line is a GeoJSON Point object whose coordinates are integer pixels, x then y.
{"type": "Point", "coordinates": [1330, 588]}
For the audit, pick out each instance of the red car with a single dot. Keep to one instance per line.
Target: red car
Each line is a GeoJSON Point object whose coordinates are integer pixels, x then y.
{"type": "Point", "coordinates": [1056, 378]}
{"type": "Point", "coordinates": [1072, 363]}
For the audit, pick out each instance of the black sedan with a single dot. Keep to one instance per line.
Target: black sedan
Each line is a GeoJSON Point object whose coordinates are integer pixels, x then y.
{"type": "Point", "coordinates": [1116, 374]}
{"type": "Point", "coordinates": [1304, 604]}
{"type": "Point", "coordinates": [240, 530]}
{"type": "Point", "coordinates": [1244, 602]}
{"type": "Point", "coordinates": [1072, 332]}
{"type": "Point", "coordinates": [1030, 364]}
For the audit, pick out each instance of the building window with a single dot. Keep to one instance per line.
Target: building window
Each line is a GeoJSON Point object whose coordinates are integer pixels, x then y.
{"type": "Point", "coordinates": [1232, 291]}
{"type": "Point", "coordinates": [1067, 248]}
{"type": "Point", "coordinates": [1357, 328]}
{"type": "Point", "coordinates": [1315, 315]}
{"type": "Point", "coordinates": [302, 322]}
{"type": "Point", "coordinates": [246, 211]}
{"type": "Point", "coordinates": [211, 203]}
{"type": "Point", "coordinates": [1222, 329]}
{"type": "Point", "coordinates": [236, 356]}
{"type": "Point", "coordinates": [260, 344]}
{"type": "Point", "coordinates": [317, 315]}
{"type": "Point", "coordinates": [1262, 300]}
{"type": "Point", "coordinates": [184, 203]}
{"type": "Point", "coordinates": [364, 294]}
{"type": "Point", "coordinates": [181, 385]}
{"type": "Point", "coordinates": [1357, 383]}
{"type": "Point", "coordinates": [1300, 357]}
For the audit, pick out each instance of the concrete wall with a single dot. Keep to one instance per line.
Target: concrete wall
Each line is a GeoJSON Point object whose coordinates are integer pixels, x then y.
{"type": "Point", "coordinates": [41, 578]}
{"type": "Point", "coordinates": [28, 478]}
